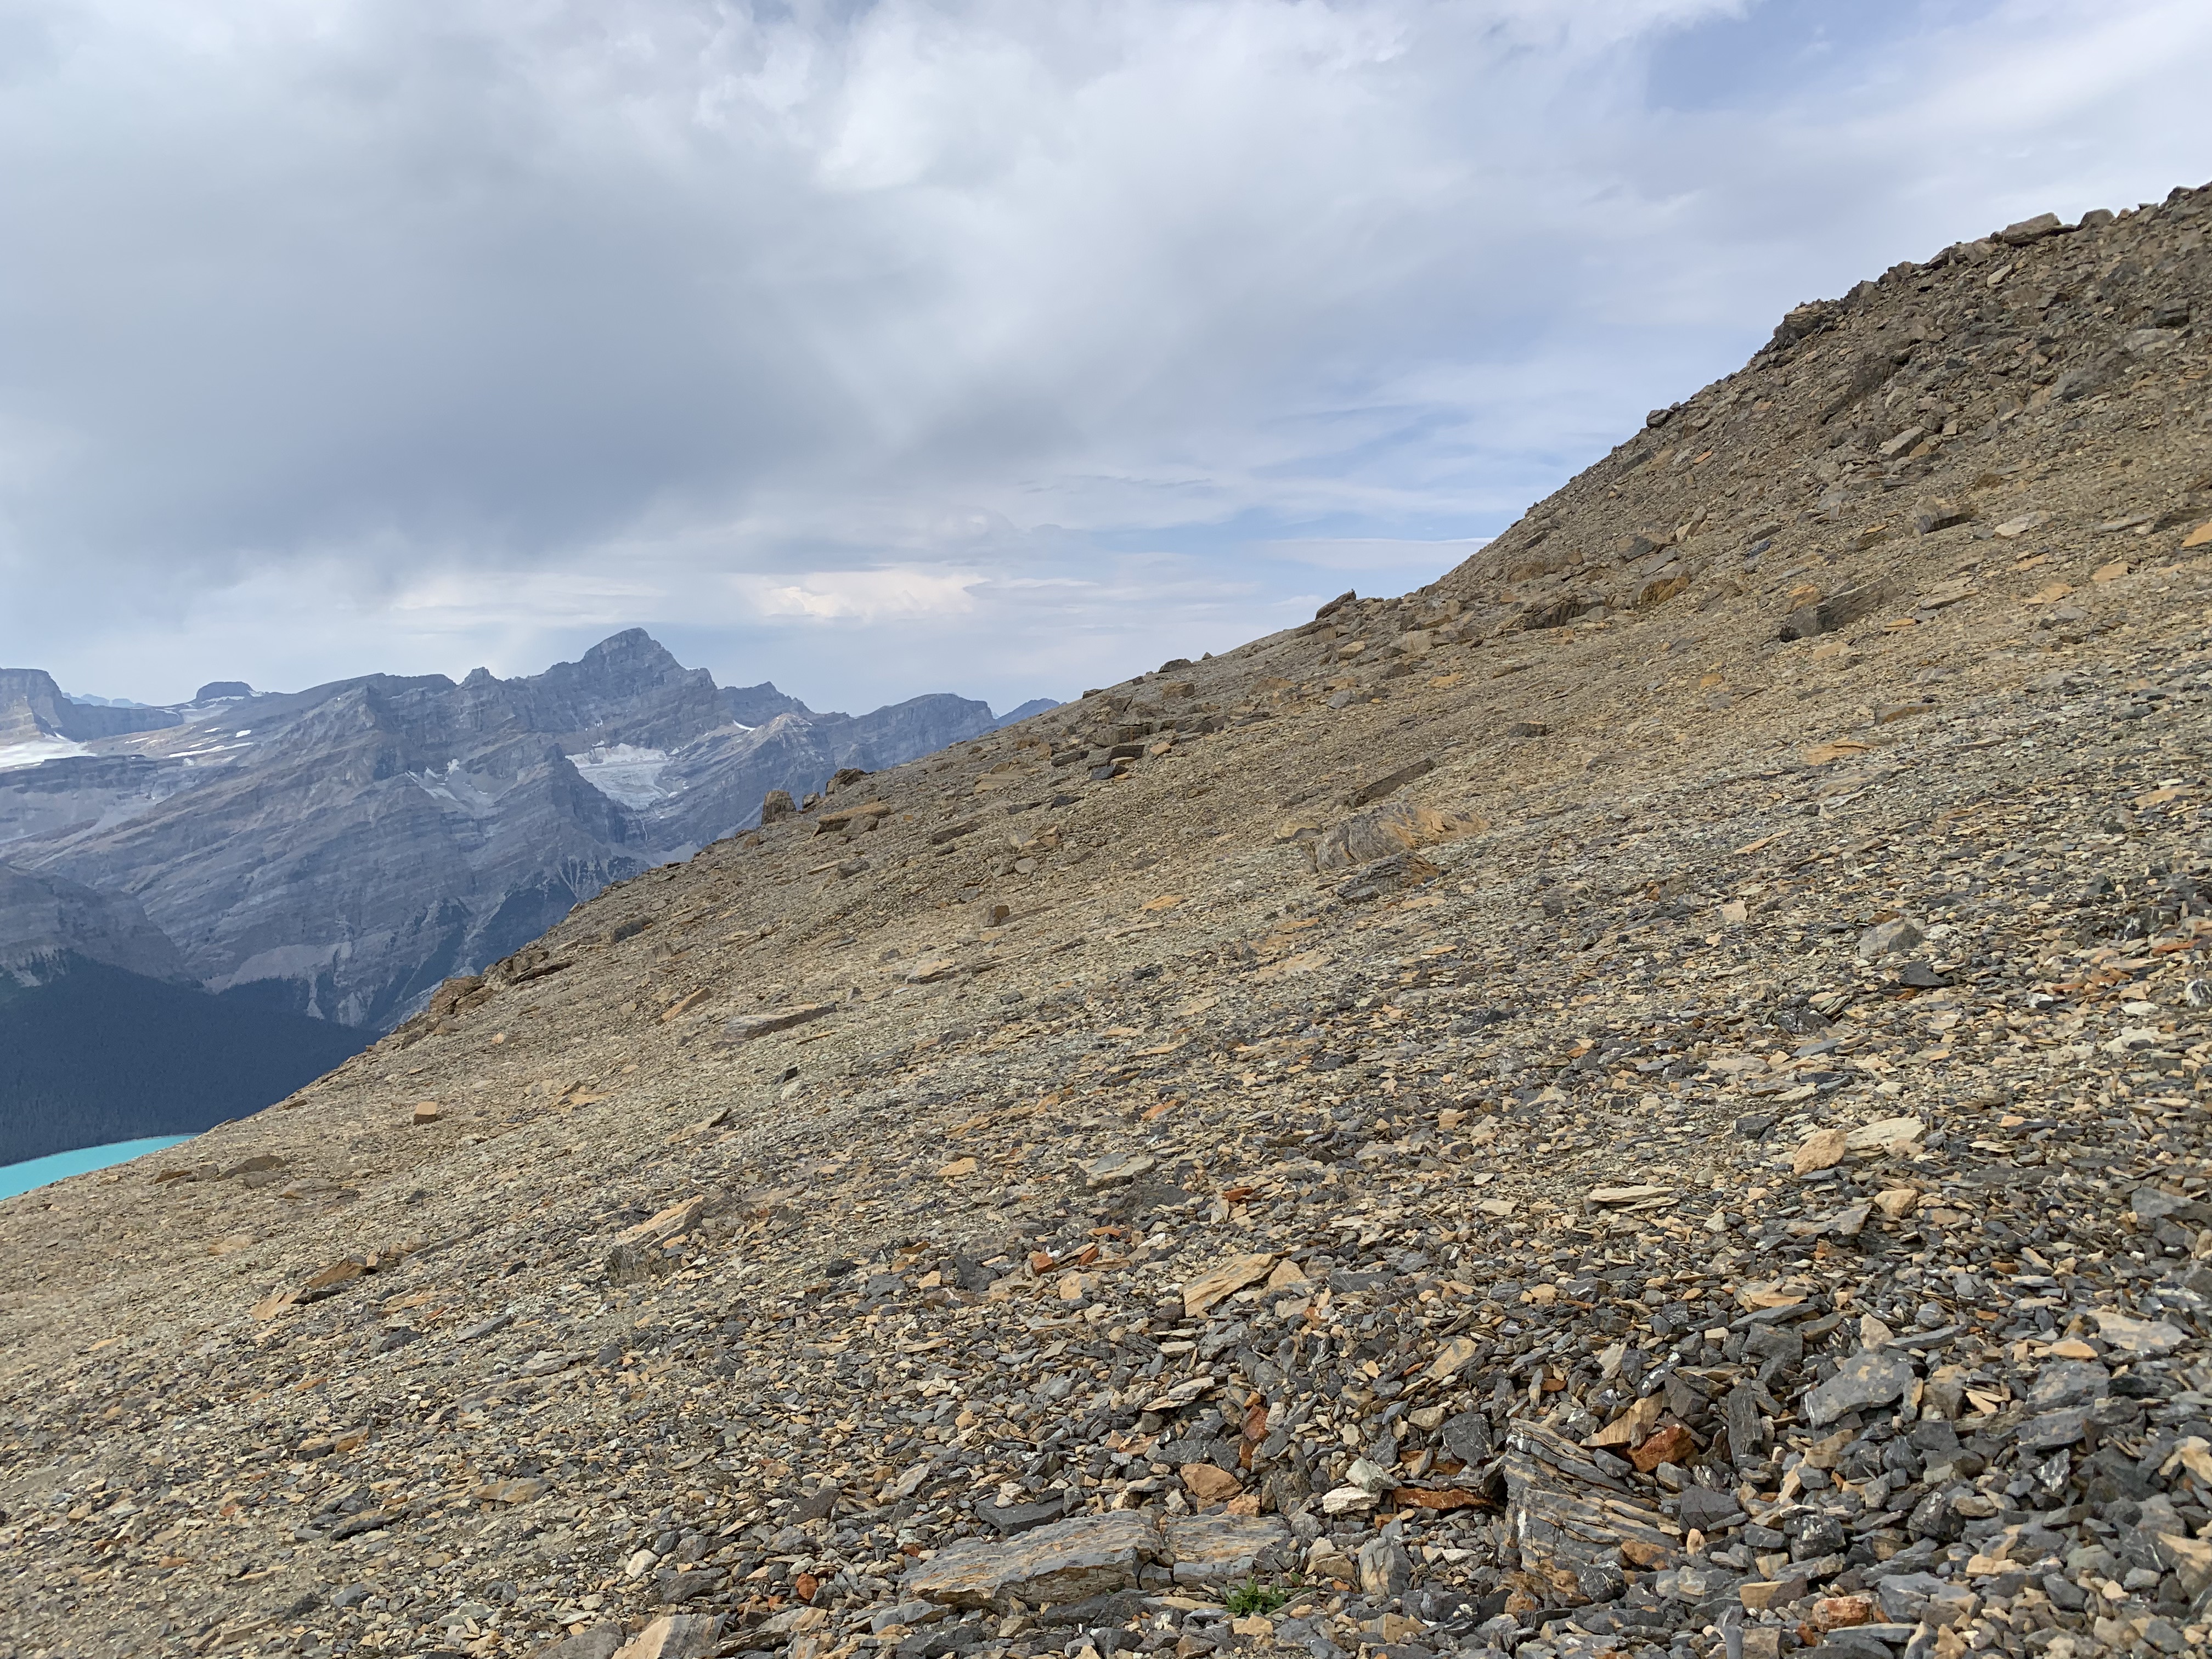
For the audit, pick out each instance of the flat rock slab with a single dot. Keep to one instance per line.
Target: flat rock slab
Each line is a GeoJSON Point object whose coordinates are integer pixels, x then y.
{"type": "Point", "coordinates": [1071, 1561]}
{"type": "Point", "coordinates": [1230, 1276]}
{"type": "Point", "coordinates": [1874, 1377]}
{"type": "Point", "coordinates": [1117, 1169]}
{"type": "Point", "coordinates": [1707, 1509]}
{"type": "Point", "coordinates": [2149, 1337]}
{"type": "Point", "coordinates": [1887, 1135]}
{"type": "Point", "coordinates": [1217, 1549]}
{"type": "Point", "coordinates": [744, 1028]}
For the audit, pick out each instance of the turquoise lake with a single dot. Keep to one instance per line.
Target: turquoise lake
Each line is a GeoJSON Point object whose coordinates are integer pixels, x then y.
{"type": "Point", "coordinates": [39, 1171]}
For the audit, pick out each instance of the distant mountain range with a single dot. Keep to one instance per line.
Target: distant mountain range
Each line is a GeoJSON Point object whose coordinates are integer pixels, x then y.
{"type": "Point", "coordinates": [316, 862]}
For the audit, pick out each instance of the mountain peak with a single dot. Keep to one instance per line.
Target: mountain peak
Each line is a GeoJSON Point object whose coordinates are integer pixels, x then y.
{"type": "Point", "coordinates": [30, 705]}
{"type": "Point", "coordinates": [756, 705]}
{"type": "Point", "coordinates": [632, 645]}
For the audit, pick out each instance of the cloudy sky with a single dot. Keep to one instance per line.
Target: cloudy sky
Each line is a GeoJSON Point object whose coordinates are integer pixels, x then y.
{"type": "Point", "coordinates": [885, 346]}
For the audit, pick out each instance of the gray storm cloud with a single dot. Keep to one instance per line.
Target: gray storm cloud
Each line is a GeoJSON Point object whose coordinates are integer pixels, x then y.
{"type": "Point", "coordinates": [886, 346]}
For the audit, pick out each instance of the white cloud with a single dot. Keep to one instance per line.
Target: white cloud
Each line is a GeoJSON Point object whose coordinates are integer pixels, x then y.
{"type": "Point", "coordinates": [921, 343]}
{"type": "Point", "coordinates": [903, 594]}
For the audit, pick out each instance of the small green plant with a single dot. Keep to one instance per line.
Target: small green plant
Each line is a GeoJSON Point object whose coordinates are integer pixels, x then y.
{"type": "Point", "coordinates": [1251, 1597]}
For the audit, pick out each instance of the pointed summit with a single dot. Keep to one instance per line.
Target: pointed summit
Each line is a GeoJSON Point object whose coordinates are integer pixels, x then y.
{"type": "Point", "coordinates": [626, 689]}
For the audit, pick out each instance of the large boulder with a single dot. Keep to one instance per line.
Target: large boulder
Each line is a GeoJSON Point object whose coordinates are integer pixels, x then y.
{"type": "Point", "coordinates": [1091, 1555]}
{"type": "Point", "coordinates": [1398, 827]}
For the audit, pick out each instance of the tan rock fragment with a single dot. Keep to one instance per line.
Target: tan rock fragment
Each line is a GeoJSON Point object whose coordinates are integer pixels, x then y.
{"type": "Point", "coordinates": [1821, 1149]}
{"type": "Point", "coordinates": [684, 1005]}
{"type": "Point", "coordinates": [1287, 1273]}
{"type": "Point", "coordinates": [2192, 1558]}
{"type": "Point", "coordinates": [1758, 1595]}
{"type": "Point", "coordinates": [1897, 1202]}
{"type": "Point", "coordinates": [2193, 1454]}
{"type": "Point", "coordinates": [512, 1491]}
{"type": "Point", "coordinates": [678, 1217]}
{"type": "Point", "coordinates": [838, 817]}
{"type": "Point", "coordinates": [1614, 1197]}
{"type": "Point", "coordinates": [1884, 1135]}
{"type": "Point", "coordinates": [1669, 1444]}
{"type": "Point", "coordinates": [1209, 1483]}
{"type": "Point", "coordinates": [325, 1280]}
{"type": "Point", "coordinates": [1633, 1424]}
{"type": "Point", "coordinates": [425, 1111]}
{"type": "Point", "coordinates": [1456, 1353]}
{"type": "Point", "coordinates": [1820, 754]}
{"type": "Point", "coordinates": [1232, 1276]}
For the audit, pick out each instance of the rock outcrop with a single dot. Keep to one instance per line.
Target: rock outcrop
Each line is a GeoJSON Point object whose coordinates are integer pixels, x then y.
{"type": "Point", "coordinates": [43, 918]}
{"type": "Point", "coordinates": [32, 707]}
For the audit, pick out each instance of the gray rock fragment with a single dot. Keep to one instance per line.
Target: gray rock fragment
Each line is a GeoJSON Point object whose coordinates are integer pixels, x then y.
{"type": "Point", "coordinates": [1884, 938]}
{"type": "Point", "coordinates": [1874, 1376]}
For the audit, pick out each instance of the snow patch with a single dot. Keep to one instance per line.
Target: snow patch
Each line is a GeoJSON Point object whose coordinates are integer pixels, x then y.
{"type": "Point", "coordinates": [206, 749]}
{"type": "Point", "coordinates": [458, 789]}
{"type": "Point", "coordinates": [38, 751]}
{"type": "Point", "coordinates": [625, 773]}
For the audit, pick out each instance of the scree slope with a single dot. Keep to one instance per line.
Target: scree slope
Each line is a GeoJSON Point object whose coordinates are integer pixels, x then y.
{"type": "Point", "coordinates": [1647, 1098]}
